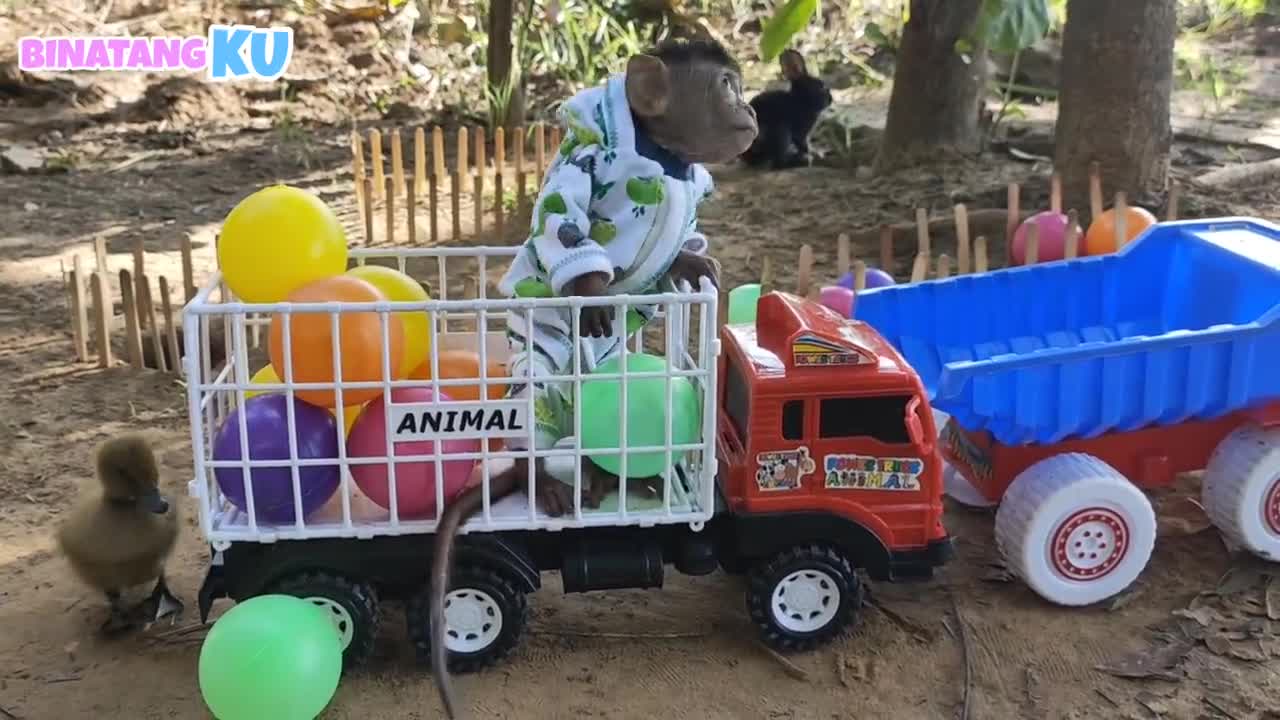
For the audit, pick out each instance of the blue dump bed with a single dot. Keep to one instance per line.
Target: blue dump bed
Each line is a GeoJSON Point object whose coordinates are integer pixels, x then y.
{"type": "Point", "coordinates": [1182, 324]}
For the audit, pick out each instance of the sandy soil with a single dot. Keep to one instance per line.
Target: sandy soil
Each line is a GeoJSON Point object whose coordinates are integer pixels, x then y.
{"type": "Point", "coordinates": [971, 641]}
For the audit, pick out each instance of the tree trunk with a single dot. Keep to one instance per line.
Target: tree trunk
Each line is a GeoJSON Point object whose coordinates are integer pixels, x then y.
{"type": "Point", "coordinates": [498, 56]}
{"type": "Point", "coordinates": [1117, 77]}
{"type": "Point", "coordinates": [937, 90]}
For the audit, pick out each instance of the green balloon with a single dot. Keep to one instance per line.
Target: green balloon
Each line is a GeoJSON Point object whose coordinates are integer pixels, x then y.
{"type": "Point", "coordinates": [646, 424]}
{"type": "Point", "coordinates": [742, 303]}
{"type": "Point", "coordinates": [271, 656]}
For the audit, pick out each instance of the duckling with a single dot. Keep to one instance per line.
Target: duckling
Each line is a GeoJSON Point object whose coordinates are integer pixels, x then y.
{"type": "Point", "coordinates": [121, 536]}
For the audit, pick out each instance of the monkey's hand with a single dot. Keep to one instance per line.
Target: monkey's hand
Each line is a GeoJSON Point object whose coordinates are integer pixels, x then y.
{"type": "Point", "coordinates": [595, 321]}
{"type": "Point", "coordinates": [690, 266]}
{"type": "Point", "coordinates": [555, 496]}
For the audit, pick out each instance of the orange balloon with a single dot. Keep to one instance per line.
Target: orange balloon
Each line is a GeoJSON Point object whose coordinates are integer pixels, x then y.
{"type": "Point", "coordinates": [1101, 237]}
{"type": "Point", "coordinates": [463, 364]}
{"type": "Point", "coordinates": [360, 337]}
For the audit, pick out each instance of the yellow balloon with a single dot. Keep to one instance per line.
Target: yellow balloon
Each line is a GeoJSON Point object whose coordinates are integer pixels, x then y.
{"type": "Point", "coordinates": [267, 374]}
{"type": "Point", "coordinates": [277, 240]}
{"type": "Point", "coordinates": [399, 287]}
{"type": "Point", "coordinates": [348, 417]}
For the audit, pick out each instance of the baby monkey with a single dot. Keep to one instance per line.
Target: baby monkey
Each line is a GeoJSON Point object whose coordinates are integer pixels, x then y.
{"type": "Point", "coordinates": [121, 536]}
{"type": "Point", "coordinates": [617, 215]}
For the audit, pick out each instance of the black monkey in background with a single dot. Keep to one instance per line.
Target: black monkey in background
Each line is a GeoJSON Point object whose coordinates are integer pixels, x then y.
{"type": "Point", "coordinates": [786, 117]}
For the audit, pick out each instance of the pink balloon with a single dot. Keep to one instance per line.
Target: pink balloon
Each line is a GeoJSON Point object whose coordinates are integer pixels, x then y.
{"type": "Point", "coordinates": [838, 298]}
{"type": "Point", "coordinates": [1051, 236]}
{"type": "Point", "coordinates": [415, 480]}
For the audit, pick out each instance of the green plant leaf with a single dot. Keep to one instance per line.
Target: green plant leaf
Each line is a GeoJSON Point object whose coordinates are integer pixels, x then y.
{"type": "Point", "coordinates": [1013, 25]}
{"type": "Point", "coordinates": [785, 23]}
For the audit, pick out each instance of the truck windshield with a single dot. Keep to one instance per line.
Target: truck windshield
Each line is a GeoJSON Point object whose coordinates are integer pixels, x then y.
{"type": "Point", "coordinates": [881, 417]}
{"type": "Point", "coordinates": [737, 398]}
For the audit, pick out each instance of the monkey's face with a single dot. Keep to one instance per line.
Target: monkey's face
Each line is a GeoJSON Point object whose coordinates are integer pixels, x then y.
{"type": "Point", "coordinates": [694, 109]}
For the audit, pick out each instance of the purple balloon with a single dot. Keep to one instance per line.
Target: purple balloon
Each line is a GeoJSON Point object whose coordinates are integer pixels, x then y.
{"type": "Point", "coordinates": [267, 420]}
{"type": "Point", "coordinates": [875, 278]}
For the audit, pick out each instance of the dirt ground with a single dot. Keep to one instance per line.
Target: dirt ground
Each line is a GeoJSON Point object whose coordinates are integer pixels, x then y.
{"type": "Point", "coordinates": [148, 160]}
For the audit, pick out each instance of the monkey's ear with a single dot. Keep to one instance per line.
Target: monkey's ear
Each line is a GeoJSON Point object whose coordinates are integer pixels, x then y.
{"type": "Point", "coordinates": [648, 85]}
{"type": "Point", "coordinates": [792, 65]}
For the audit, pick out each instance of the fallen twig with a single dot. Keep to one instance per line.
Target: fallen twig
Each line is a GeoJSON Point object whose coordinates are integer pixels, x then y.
{"type": "Point", "coordinates": [788, 667]}
{"type": "Point", "coordinates": [1106, 697]}
{"type": "Point", "coordinates": [1214, 704]}
{"type": "Point", "coordinates": [1247, 174]}
{"type": "Point", "coordinates": [901, 621]}
{"type": "Point", "coordinates": [965, 654]}
{"type": "Point", "coordinates": [184, 630]}
{"type": "Point", "coordinates": [62, 679]}
{"type": "Point", "coordinates": [619, 635]}
{"type": "Point", "coordinates": [9, 714]}
{"type": "Point", "coordinates": [842, 672]}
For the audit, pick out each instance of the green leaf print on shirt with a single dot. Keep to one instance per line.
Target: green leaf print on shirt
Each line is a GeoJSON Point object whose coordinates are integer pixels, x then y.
{"type": "Point", "coordinates": [603, 231]}
{"type": "Point", "coordinates": [552, 204]}
{"type": "Point", "coordinates": [644, 191]}
{"type": "Point", "coordinates": [533, 288]}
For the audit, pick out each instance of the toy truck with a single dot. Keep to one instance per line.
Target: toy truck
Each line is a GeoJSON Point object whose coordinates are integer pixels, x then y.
{"type": "Point", "coordinates": [816, 463]}
{"type": "Point", "coordinates": [1072, 384]}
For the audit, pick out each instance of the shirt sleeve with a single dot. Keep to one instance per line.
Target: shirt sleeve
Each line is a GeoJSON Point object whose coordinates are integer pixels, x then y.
{"type": "Point", "coordinates": [560, 236]}
{"type": "Point", "coordinates": [696, 242]}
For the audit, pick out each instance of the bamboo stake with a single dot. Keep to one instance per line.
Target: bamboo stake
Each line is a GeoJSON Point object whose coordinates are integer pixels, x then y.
{"type": "Point", "coordinates": [420, 157]}
{"type": "Point", "coordinates": [944, 266]}
{"type": "Point", "coordinates": [477, 191]}
{"type": "Point", "coordinates": [1055, 193]}
{"type": "Point", "coordinates": [397, 162]}
{"type": "Point", "coordinates": [766, 275]}
{"type": "Point", "coordinates": [962, 239]}
{"type": "Point", "coordinates": [434, 202]}
{"type": "Point", "coordinates": [132, 334]}
{"type": "Point", "coordinates": [980, 254]}
{"type": "Point", "coordinates": [357, 168]}
{"type": "Point", "coordinates": [139, 277]}
{"type": "Point", "coordinates": [1071, 241]}
{"type": "Point", "coordinates": [1121, 211]}
{"type": "Point", "coordinates": [499, 162]}
{"type": "Point", "coordinates": [521, 180]}
{"type": "Point", "coordinates": [540, 151]}
{"type": "Point", "coordinates": [1033, 244]}
{"type": "Point", "coordinates": [805, 270]}
{"type": "Point", "coordinates": [842, 255]}
{"type": "Point", "coordinates": [859, 276]}
{"type": "Point", "coordinates": [411, 209]}
{"type": "Point", "coordinates": [375, 157]}
{"type": "Point", "coordinates": [390, 214]}
{"type": "Point", "coordinates": [924, 246]}
{"type": "Point", "coordinates": [101, 319]}
{"type": "Point", "coordinates": [1175, 195]}
{"type": "Point", "coordinates": [1012, 217]}
{"type": "Point", "coordinates": [437, 151]}
{"type": "Point", "coordinates": [368, 212]}
{"type": "Point", "coordinates": [79, 311]}
{"type": "Point", "coordinates": [171, 334]}
{"type": "Point", "coordinates": [886, 248]}
{"type": "Point", "coordinates": [455, 199]}
{"type": "Point", "coordinates": [920, 268]}
{"type": "Point", "coordinates": [188, 270]}
{"type": "Point", "coordinates": [555, 141]}
{"type": "Point", "coordinates": [1095, 190]}
{"type": "Point", "coordinates": [148, 310]}
{"type": "Point", "coordinates": [100, 256]}
{"type": "Point", "coordinates": [463, 134]}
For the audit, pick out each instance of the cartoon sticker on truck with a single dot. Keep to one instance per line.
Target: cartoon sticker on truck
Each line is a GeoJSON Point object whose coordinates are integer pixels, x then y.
{"type": "Point", "coordinates": [782, 470]}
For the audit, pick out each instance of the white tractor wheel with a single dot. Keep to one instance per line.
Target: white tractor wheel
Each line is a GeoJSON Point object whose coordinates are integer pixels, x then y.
{"type": "Point", "coordinates": [1075, 530]}
{"type": "Point", "coordinates": [1241, 490]}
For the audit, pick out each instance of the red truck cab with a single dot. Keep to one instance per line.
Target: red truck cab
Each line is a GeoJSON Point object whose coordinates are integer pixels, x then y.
{"type": "Point", "coordinates": [826, 434]}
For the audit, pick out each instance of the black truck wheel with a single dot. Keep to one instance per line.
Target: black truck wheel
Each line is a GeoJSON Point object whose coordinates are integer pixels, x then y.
{"type": "Point", "coordinates": [803, 597]}
{"type": "Point", "coordinates": [484, 616]}
{"type": "Point", "coordinates": [352, 605]}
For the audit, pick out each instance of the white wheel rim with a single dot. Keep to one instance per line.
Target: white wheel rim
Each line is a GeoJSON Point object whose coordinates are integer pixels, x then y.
{"type": "Point", "coordinates": [472, 620]}
{"type": "Point", "coordinates": [342, 620]}
{"type": "Point", "coordinates": [1271, 508]}
{"type": "Point", "coordinates": [1090, 543]}
{"type": "Point", "coordinates": [805, 601]}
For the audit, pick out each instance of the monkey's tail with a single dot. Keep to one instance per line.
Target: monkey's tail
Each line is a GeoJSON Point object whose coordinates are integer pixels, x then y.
{"type": "Point", "coordinates": [460, 509]}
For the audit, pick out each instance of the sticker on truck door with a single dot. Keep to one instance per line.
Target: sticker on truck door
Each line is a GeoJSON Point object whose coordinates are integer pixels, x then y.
{"type": "Point", "coordinates": [867, 472]}
{"type": "Point", "coordinates": [783, 469]}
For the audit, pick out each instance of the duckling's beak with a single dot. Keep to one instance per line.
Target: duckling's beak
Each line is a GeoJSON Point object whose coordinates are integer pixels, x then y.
{"type": "Point", "coordinates": [154, 502]}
